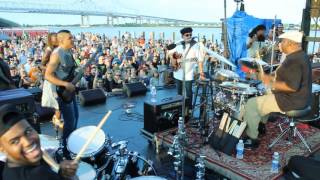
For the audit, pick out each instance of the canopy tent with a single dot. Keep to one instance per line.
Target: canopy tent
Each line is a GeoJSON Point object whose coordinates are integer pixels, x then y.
{"type": "Point", "coordinates": [238, 28]}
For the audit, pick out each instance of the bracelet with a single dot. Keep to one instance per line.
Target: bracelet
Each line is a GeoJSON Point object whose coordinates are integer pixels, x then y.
{"type": "Point", "coordinates": [271, 84]}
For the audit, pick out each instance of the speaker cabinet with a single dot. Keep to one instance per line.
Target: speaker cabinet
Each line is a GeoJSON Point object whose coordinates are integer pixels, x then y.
{"type": "Point", "coordinates": [162, 115]}
{"type": "Point", "coordinates": [134, 89]}
{"type": "Point", "coordinates": [92, 97]}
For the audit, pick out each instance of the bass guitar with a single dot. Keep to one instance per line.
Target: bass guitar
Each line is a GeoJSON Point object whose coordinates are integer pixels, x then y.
{"type": "Point", "coordinates": [74, 77]}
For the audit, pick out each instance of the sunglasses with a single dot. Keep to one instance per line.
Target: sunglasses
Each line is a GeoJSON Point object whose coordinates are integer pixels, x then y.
{"type": "Point", "coordinates": [188, 35]}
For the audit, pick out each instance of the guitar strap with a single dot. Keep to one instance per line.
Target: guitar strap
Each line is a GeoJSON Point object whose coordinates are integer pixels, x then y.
{"type": "Point", "coordinates": [193, 42]}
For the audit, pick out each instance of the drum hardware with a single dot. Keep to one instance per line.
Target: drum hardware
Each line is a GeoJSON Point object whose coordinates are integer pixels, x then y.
{"type": "Point", "coordinates": [177, 150]}
{"type": "Point", "coordinates": [201, 168]}
{"type": "Point", "coordinates": [129, 164]}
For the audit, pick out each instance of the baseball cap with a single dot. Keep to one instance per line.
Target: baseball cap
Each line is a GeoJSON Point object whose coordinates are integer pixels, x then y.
{"type": "Point", "coordinates": [295, 36]}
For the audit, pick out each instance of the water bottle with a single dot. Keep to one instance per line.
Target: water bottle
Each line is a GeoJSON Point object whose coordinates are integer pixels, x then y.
{"type": "Point", "coordinates": [240, 149]}
{"type": "Point", "coordinates": [275, 162]}
{"type": "Point", "coordinates": [153, 94]}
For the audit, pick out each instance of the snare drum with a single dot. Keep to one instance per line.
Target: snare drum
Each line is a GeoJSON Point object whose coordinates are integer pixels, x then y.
{"type": "Point", "coordinates": [86, 172]}
{"type": "Point", "coordinates": [96, 153]}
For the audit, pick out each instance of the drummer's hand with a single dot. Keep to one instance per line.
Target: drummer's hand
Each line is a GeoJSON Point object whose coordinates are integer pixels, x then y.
{"type": "Point", "coordinates": [266, 80]}
{"type": "Point", "coordinates": [68, 168]}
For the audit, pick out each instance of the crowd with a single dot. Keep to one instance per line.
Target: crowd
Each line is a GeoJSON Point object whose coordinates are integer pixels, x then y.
{"type": "Point", "coordinates": [107, 62]}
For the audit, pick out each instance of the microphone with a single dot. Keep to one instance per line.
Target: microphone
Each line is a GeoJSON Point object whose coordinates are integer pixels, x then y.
{"type": "Point", "coordinates": [174, 45]}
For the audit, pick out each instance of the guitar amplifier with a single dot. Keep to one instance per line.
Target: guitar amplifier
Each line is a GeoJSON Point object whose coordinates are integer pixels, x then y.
{"type": "Point", "coordinates": [25, 103]}
{"type": "Point", "coordinates": [162, 115]}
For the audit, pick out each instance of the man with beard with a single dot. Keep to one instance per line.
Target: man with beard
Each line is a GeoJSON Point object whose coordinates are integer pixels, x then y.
{"type": "Point", "coordinates": [21, 145]}
{"type": "Point", "coordinates": [256, 42]}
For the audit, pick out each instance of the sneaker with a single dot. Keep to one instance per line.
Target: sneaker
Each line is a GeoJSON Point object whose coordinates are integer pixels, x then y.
{"type": "Point", "coordinates": [251, 143]}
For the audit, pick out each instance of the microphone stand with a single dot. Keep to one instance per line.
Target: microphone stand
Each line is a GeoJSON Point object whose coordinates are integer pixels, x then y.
{"type": "Point", "coordinates": [183, 141]}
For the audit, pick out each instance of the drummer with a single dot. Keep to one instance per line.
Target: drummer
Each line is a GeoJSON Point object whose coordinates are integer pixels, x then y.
{"type": "Point", "coordinates": [291, 87]}
{"type": "Point", "coordinates": [21, 144]}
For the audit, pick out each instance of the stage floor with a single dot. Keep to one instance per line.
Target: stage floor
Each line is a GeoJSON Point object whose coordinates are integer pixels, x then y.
{"type": "Point", "coordinates": [122, 127]}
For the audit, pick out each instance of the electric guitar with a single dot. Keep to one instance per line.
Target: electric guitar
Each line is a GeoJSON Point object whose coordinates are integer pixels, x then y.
{"type": "Point", "coordinates": [176, 64]}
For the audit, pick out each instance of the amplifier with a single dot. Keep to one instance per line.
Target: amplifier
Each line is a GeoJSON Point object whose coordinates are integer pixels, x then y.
{"type": "Point", "coordinates": [24, 101]}
{"type": "Point", "coordinates": [163, 114]}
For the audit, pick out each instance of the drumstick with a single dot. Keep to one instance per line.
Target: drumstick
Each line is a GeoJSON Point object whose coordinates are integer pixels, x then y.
{"type": "Point", "coordinates": [46, 157]}
{"type": "Point", "coordinates": [84, 147]}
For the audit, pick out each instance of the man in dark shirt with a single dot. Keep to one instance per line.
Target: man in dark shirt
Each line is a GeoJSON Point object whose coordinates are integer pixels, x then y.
{"type": "Point", "coordinates": [291, 87]}
{"type": "Point", "coordinates": [6, 81]}
{"type": "Point", "coordinates": [21, 144]}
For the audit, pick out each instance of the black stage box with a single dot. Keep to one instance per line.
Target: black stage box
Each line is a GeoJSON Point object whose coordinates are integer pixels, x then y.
{"type": "Point", "coordinates": [163, 114]}
{"type": "Point", "coordinates": [24, 101]}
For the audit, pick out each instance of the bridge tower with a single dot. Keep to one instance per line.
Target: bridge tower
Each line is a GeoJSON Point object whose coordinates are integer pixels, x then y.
{"type": "Point", "coordinates": [85, 21]}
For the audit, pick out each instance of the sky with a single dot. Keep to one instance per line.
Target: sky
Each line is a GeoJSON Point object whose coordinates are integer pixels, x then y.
{"type": "Point", "coordinates": [289, 11]}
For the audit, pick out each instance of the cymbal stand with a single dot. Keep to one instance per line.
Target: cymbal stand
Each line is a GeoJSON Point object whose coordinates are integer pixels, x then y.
{"type": "Point", "coordinates": [201, 168]}
{"type": "Point", "coordinates": [177, 150]}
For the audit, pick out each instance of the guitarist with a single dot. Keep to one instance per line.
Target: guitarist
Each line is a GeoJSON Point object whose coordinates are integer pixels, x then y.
{"type": "Point", "coordinates": [59, 69]}
{"type": "Point", "coordinates": [191, 50]}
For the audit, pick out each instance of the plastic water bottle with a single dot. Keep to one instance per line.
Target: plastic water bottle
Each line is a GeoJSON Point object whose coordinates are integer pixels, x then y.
{"type": "Point", "coordinates": [275, 162]}
{"type": "Point", "coordinates": [240, 149]}
{"type": "Point", "coordinates": [153, 94]}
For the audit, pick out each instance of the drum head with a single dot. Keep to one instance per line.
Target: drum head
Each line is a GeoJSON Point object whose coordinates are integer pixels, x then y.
{"type": "Point", "coordinates": [79, 137]}
{"type": "Point", "coordinates": [86, 172]}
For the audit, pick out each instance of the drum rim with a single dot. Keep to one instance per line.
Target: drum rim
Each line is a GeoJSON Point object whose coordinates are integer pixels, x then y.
{"type": "Point", "coordinates": [87, 164]}
{"type": "Point", "coordinates": [87, 155]}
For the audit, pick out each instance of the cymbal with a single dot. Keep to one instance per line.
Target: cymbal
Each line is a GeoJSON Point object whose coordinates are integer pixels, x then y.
{"type": "Point", "coordinates": [248, 61]}
{"type": "Point", "coordinates": [220, 58]}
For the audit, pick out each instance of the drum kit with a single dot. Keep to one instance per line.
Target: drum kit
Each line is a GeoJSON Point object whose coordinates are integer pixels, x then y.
{"type": "Point", "coordinates": [232, 93]}
{"type": "Point", "coordinates": [102, 159]}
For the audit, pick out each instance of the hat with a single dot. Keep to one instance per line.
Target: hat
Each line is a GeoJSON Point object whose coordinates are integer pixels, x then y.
{"type": "Point", "coordinates": [186, 30]}
{"type": "Point", "coordinates": [295, 36]}
{"type": "Point", "coordinates": [9, 116]}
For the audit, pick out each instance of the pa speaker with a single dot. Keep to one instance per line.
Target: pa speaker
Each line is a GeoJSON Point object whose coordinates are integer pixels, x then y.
{"type": "Point", "coordinates": [92, 97]}
{"type": "Point", "coordinates": [135, 89]}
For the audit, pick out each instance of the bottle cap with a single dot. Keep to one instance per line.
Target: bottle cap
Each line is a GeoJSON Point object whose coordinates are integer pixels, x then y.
{"type": "Point", "coordinates": [240, 141]}
{"type": "Point", "coordinates": [276, 153]}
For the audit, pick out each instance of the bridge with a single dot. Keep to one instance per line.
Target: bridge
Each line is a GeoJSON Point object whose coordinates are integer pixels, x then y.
{"type": "Point", "coordinates": [114, 11]}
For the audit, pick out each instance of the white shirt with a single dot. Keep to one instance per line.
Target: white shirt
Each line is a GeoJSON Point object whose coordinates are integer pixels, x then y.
{"type": "Point", "coordinates": [194, 52]}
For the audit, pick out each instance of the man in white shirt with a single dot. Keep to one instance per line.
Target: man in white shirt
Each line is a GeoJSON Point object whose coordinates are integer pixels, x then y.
{"type": "Point", "coordinates": [189, 49]}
